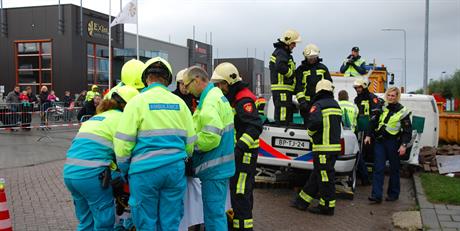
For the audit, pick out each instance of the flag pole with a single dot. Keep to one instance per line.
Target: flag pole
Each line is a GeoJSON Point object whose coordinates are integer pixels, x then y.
{"type": "Point", "coordinates": [137, 29]}
{"type": "Point", "coordinates": [110, 44]}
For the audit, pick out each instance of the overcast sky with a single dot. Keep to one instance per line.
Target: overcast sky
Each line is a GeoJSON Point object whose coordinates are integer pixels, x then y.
{"type": "Point", "coordinates": [334, 25]}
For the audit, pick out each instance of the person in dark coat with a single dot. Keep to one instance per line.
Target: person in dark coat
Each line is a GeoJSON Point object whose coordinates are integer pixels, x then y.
{"type": "Point", "coordinates": [89, 108]}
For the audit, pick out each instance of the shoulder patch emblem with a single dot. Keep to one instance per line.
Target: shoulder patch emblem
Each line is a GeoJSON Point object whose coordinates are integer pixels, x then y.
{"type": "Point", "coordinates": [312, 109]}
{"type": "Point", "coordinates": [376, 101]}
{"type": "Point", "coordinates": [248, 107]}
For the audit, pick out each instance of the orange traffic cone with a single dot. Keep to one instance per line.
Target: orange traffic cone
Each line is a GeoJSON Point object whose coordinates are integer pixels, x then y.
{"type": "Point", "coordinates": [5, 222]}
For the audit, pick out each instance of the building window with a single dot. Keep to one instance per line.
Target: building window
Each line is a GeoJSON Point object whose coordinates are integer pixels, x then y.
{"type": "Point", "coordinates": [98, 65]}
{"type": "Point", "coordinates": [34, 63]}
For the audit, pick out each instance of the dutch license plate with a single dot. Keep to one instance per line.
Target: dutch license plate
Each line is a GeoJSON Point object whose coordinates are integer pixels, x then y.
{"type": "Point", "coordinates": [291, 143]}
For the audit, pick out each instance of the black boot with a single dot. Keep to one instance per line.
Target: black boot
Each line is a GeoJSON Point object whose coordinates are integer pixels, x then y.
{"type": "Point", "coordinates": [322, 210]}
{"type": "Point", "coordinates": [299, 204]}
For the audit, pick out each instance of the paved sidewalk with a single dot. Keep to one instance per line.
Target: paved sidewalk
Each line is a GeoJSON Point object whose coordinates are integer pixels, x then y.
{"type": "Point", "coordinates": [436, 216]}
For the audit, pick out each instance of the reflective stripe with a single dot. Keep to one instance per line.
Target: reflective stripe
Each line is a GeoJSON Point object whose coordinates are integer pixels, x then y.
{"type": "Point", "coordinates": [273, 58]}
{"type": "Point", "coordinates": [86, 163]}
{"type": "Point", "coordinates": [332, 111]}
{"type": "Point", "coordinates": [151, 154]}
{"type": "Point", "coordinates": [332, 204]}
{"type": "Point", "coordinates": [247, 158]}
{"type": "Point", "coordinates": [123, 159]}
{"type": "Point", "coordinates": [248, 140]}
{"type": "Point", "coordinates": [3, 206]}
{"type": "Point", "coordinates": [241, 184]}
{"type": "Point", "coordinates": [322, 202]}
{"type": "Point", "coordinates": [191, 140]}
{"type": "Point", "coordinates": [305, 196]}
{"type": "Point", "coordinates": [326, 129]}
{"type": "Point", "coordinates": [162, 132]}
{"type": "Point", "coordinates": [326, 148]}
{"type": "Point", "coordinates": [283, 97]}
{"type": "Point", "coordinates": [322, 159]}
{"type": "Point", "coordinates": [217, 130]}
{"type": "Point", "coordinates": [283, 113]}
{"type": "Point", "coordinates": [282, 87]}
{"type": "Point", "coordinates": [289, 73]}
{"type": "Point", "coordinates": [125, 137]}
{"type": "Point", "coordinates": [248, 223]}
{"type": "Point", "coordinates": [324, 177]}
{"type": "Point", "coordinates": [236, 223]}
{"type": "Point", "coordinates": [214, 162]}
{"type": "Point", "coordinates": [96, 138]}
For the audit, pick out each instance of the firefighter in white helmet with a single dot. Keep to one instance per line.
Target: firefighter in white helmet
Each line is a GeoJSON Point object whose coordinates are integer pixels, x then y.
{"type": "Point", "coordinates": [248, 127]}
{"type": "Point", "coordinates": [308, 74]}
{"type": "Point", "coordinates": [282, 68]}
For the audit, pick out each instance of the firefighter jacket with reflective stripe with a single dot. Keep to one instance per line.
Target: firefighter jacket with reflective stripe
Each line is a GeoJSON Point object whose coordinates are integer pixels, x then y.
{"type": "Point", "coordinates": [324, 123]}
{"type": "Point", "coordinates": [395, 120]}
{"type": "Point", "coordinates": [357, 68]}
{"type": "Point", "coordinates": [213, 157]}
{"type": "Point", "coordinates": [156, 129]}
{"type": "Point", "coordinates": [92, 147]}
{"type": "Point", "coordinates": [248, 124]}
{"type": "Point", "coordinates": [370, 107]}
{"type": "Point", "coordinates": [282, 68]}
{"type": "Point", "coordinates": [349, 114]}
{"type": "Point", "coordinates": [307, 76]}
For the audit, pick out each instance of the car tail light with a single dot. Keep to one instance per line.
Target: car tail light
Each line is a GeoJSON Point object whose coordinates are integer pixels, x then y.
{"type": "Point", "coordinates": [342, 146]}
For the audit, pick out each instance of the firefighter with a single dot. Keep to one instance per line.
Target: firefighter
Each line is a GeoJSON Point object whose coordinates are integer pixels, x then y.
{"type": "Point", "coordinates": [324, 130]}
{"type": "Point", "coordinates": [213, 159]}
{"type": "Point", "coordinates": [151, 144]}
{"type": "Point", "coordinates": [353, 65]}
{"type": "Point", "coordinates": [282, 67]}
{"type": "Point", "coordinates": [131, 75]}
{"type": "Point", "coordinates": [369, 108]}
{"type": "Point", "coordinates": [308, 74]}
{"type": "Point", "coordinates": [392, 135]}
{"type": "Point", "coordinates": [180, 91]}
{"type": "Point", "coordinates": [86, 170]}
{"type": "Point", "coordinates": [94, 91]}
{"type": "Point", "coordinates": [248, 127]}
{"type": "Point", "coordinates": [349, 111]}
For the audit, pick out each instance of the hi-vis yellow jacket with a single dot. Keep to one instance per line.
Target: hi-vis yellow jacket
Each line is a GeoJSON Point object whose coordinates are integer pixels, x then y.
{"type": "Point", "coordinates": [213, 157]}
{"type": "Point", "coordinates": [156, 129]}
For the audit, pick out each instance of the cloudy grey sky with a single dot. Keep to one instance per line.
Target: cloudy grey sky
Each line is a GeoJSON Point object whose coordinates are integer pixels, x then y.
{"type": "Point", "coordinates": [334, 25]}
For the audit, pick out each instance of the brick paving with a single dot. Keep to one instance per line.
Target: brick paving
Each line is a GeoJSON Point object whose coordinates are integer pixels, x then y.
{"type": "Point", "coordinates": [38, 199]}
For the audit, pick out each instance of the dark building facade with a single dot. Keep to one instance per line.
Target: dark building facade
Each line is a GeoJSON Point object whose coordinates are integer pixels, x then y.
{"type": "Point", "coordinates": [47, 46]}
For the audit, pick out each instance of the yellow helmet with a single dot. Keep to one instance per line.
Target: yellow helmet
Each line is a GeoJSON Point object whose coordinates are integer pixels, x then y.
{"type": "Point", "coordinates": [311, 50]}
{"type": "Point", "coordinates": [131, 73]}
{"type": "Point", "coordinates": [180, 75]}
{"type": "Point", "coordinates": [360, 82]}
{"type": "Point", "coordinates": [157, 65]}
{"type": "Point", "coordinates": [126, 93]}
{"type": "Point", "coordinates": [290, 36]}
{"type": "Point", "coordinates": [324, 84]}
{"type": "Point", "coordinates": [226, 72]}
{"type": "Point", "coordinates": [94, 87]}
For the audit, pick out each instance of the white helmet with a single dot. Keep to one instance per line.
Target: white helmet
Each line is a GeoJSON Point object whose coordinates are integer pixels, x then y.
{"type": "Point", "coordinates": [311, 50]}
{"type": "Point", "coordinates": [360, 82]}
{"type": "Point", "coordinates": [290, 36]}
{"type": "Point", "coordinates": [226, 71]}
{"type": "Point", "coordinates": [180, 75]}
{"type": "Point", "coordinates": [324, 84]}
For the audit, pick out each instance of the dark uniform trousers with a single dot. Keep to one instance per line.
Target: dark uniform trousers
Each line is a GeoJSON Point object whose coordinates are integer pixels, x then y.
{"type": "Point", "coordinates": [321, 181]}
{"type": "Point", "coordinates": [241, 188]}
{"type": "Point", "coordinates": [284, 108]}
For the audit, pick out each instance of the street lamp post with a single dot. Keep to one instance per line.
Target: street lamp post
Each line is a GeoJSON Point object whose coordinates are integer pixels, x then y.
{"type": "Point", "coordinates": [405, 53]}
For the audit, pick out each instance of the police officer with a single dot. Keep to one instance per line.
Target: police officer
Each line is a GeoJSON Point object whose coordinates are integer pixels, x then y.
{"type": "Point", "coordinates": [369, 108]}
{"type": "Point", "coordinates": [282, 67]}
{"type": "Point", "coordinates": [392, 135]}
{"type": "Point", "coordinates": [324, 130]}
{"type": "Point", "coordinates": [86, 172]}
{"type": "Point", "coordinates": [308, 74]}
{"type": "Point", "coordinates": [94, 91]}
{"type": "Point", "coordinates": [131, 75]}
{"type": "Point", "coordinates": [248, 126]}
{"type": "Point", "coordinates": [151, 144]}
{"type": "Point", "coordinates": [353, 65]}
{"type": "Point", "coordinates": [349, 111]}
{"type": "Point", "coordinates": [180, 91]}
{"type": "Point", "coordinates": [213, 159]}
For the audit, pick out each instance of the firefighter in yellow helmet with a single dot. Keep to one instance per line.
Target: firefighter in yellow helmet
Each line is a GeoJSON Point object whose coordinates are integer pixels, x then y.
{"type": "Point", "coordinates": [131, 75]}
{"type": "Point", "coordinates": [156, 135]}
{"type": "Point", "coordinates": [86, 170]}
{"type": "Point", "coordinates": [248, 126]}
{"type": "Point", "coordinates": [282, 67]}
{"type": "Point", "coordinates": [324, 128]}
